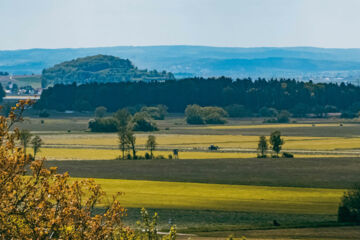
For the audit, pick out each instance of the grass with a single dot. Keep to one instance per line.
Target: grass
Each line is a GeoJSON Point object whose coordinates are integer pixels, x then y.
{"type": "Point", "coordinates": [174, 195]}
{"type": "Point", "coordinates": [319, 172]}
{"type": "Point", "coordinates": [310, 233]}
{"type": "Point", "coordinates": [189, 221]}
{"type": "Point", "coordinates": [55, 125]}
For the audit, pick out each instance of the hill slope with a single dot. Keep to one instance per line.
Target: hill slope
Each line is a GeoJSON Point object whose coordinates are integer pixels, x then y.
{"type": "Point", "coordinates": [99, 68]}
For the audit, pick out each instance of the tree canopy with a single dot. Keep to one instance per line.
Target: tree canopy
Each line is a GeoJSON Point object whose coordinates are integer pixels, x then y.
{"type": "Point", "coordinates": [99, 68]}
{"type": "Point", "coordinates": [283, 94]}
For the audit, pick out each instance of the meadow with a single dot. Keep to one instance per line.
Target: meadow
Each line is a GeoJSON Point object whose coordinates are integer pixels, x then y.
{"type": "Point", "coordinates": [156, 194]}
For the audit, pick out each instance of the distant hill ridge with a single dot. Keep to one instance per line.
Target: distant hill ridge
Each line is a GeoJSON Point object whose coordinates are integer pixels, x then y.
{"type": "Point", "coordinates": [302, 63]}
{"type": "Point", "coordinates": [99, 68]}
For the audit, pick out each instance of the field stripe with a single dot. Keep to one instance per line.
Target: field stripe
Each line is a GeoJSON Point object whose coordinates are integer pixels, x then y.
{"type": "Point", "coordinates": [154, 194]}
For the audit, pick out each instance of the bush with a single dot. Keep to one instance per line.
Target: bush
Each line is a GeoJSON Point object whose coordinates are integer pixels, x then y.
{"type": "Point", "coordinates": [147, 156]}
{"type": "Point", "coordinates": [268, 112]}
{"type": "Point", "coordinates": [170, 156]}
{"type": "Point", "coordinates": [193, 114]}
{"type": "Point", "coordinates": [195, 120]}
{"type": "Point", "coordinates": [214, 118]}
{"type": "Point", "coordinates": [201, 115]}
{"type": "Point", "coordinates": [349, 209]}
{"type": "Point", "coordinates": [283, 117]}
{"type": "Point", "coordinates": [44, 114]}
{"type": "Point", "coordinates": [287, 155]}
{"type": "Point", "coordinates": [142, 122]}
{"type": "Point", "coordinates": [344, 215]}
{"type": "Point", "coordinates": [103, 125]}
{"type": "Point", "coordinates": [158, 113]}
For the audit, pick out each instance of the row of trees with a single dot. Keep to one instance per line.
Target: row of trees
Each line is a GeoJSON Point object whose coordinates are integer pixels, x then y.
{"type": "Point", "coordinates": [158, 112]}
{"type": "Point", "coordinates": [140, 121]}
{"type": "Point", "coordinates": [299, 98]}
{"type": "Point", "coordinates": [127, 138]}
{"type": "Point", "coordinates": [27, 138]}
{"type": "Point", "coordinates": [194, 114]}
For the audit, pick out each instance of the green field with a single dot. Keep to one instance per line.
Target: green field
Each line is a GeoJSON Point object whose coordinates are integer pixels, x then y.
{"type": "Point", "coordinates": [156, 194]}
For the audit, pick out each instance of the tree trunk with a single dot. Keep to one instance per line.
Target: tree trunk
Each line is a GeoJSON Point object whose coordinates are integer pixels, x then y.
{"type": "Point", "coordinates": [134, 151]}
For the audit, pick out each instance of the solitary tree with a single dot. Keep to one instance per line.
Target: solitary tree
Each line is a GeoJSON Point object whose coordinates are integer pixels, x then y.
{"type": "Point", "coordinates": [36, 144]}
{"type": "Point", "coordinates": [100, 112]}
{"type": "Point", "coordinates": [276, 142]}
{"type": "Point", "coordinates": [151, 144]}
{"type": "Point", "coordinates": [132, 142]}
{"type": "Point", "coordinates": [123, 141]}
{"type": "Point", "coordinates": [262, 146]}
{"type": "Point", "coordinates": [123, 118]}
{"type": "Point", "coordinates": [283, 117]}
{"type": "Point", "coordinates": [25, 137]}
{"type": "Point", "coordinates": [142, 121]}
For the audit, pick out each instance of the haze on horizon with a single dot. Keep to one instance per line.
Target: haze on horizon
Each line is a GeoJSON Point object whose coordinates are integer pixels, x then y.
{"type": "Point", "coordinates": [231, 23]}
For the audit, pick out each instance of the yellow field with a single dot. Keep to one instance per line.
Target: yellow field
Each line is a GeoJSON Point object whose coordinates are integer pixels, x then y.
{"type": "Point", "coordinates": [154, 194]}
{"type": "Point", "coordinates": [180, 141]}
{"type": "Point", "coordinates": [108, 154]}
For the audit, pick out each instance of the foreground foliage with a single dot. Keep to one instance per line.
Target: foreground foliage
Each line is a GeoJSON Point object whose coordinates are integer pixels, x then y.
{"type": "Point", "coordinates": [46, 205]}
{"type": "Point", "coordinates": [349, 209]}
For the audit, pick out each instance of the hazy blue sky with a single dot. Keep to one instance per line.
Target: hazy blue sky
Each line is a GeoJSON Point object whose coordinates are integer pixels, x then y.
{"type": "Point", "coordinates": [244, 23]}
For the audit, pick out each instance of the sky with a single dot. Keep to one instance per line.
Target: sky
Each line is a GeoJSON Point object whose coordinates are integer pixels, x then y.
{"type": "Point", "coordinates": [228, 23]}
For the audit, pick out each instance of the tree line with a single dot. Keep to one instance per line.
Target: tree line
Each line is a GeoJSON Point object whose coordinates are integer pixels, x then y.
{"type": "Point", "coordinates": [243, 97]}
